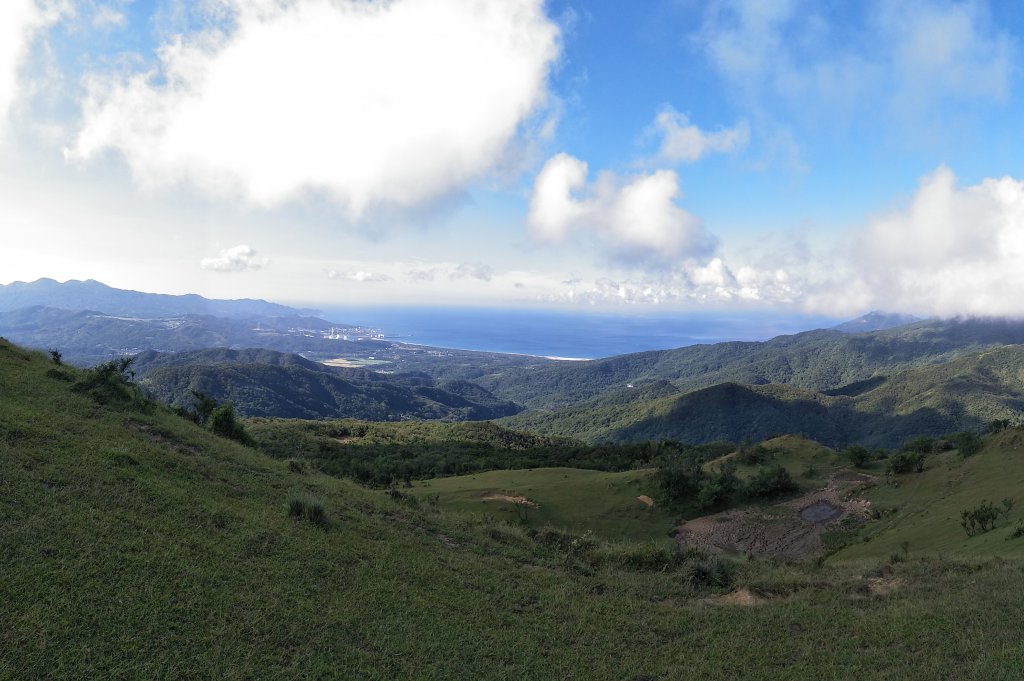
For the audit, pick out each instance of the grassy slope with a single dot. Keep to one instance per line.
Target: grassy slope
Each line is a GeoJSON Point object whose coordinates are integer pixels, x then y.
{"type": "Point", "coordinates": [134, 545]}
{"type": "Point", "coordinates": [923, 509]}
{"type": "Point", "coordinates": [603, 503]}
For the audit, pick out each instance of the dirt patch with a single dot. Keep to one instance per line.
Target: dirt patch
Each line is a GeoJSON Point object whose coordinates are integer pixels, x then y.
{"type": "Point", "coordinates": [509, 498]}
{"type": "Point", "coordinates": [646, 500]}
{"type": "Point", "coordinates": [740, 596]}
{"type": "Point", "coordinates": [880, 586]}
{"type": "Point", "coordinates": [790, 530]}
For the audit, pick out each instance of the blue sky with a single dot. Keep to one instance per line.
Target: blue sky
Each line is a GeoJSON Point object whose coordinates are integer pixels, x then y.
{"type": "Point", "coordinates": [795, 156]}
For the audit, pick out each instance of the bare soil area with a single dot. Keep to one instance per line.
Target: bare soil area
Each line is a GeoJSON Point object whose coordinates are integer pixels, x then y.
{"type": "Point", "coordinates": [509, 498]}
{"type": "Point", "coordinates": [790, 530]}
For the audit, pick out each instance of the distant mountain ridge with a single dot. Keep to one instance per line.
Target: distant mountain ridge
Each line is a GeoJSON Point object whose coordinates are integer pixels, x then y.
{"type": "Point", "coordinates": [819, 360]}
{"type": "Point", "coordinates": [93, 295]}
{"type": "Point", "coordinates": [267, 383]}
{"type": "Point", "coordinates": [965, 393]}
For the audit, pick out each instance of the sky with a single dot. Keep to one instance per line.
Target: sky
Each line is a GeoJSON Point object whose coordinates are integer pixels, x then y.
{"type": "Point", "coordinates": [790, 156]}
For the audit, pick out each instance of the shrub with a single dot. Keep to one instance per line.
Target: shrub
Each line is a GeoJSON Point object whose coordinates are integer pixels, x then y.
{"type": "Point", "coordinates": [224, 423]}
{"type": "Point", "coordinates": [979, 519]}
{"type": "Point", "coordinates": [859, 456]}
{"type": "Point", "coordinates": [769, 482]}
{"type": "Point", "coordinates": [905, 462]}
{"type": "Point", "coordinates": [112, 381]}
{"type": "Point", "coordinates": [312, 512]}
{"type": "Point", "coordinates": [56, 357]}
{"type": "Point", "coordinates": [967, 443]}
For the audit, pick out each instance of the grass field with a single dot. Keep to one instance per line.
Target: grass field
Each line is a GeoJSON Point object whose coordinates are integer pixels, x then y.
{"type": "Point", "coordinates": [923, 509]}
{"type": "Point", "coordinates": [605, 504]}
{"type": "Point", "coordinates": [134, 544]}
{"type": "Point", "coordinates": [808, 463]}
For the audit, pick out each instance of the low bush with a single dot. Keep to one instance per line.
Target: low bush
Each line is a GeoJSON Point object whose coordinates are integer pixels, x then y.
{"type": "Point", "coordinates": [311, 511]}
{"type": "Point", "coordinates": [769, 482]}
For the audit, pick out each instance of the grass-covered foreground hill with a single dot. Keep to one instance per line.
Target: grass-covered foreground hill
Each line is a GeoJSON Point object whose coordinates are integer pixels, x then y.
{"type": "Point", "coordinates": [134, 544]}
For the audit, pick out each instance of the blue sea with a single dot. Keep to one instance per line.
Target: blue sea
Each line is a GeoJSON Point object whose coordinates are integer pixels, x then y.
{"type": "Point", "coordinates": [570, 334]}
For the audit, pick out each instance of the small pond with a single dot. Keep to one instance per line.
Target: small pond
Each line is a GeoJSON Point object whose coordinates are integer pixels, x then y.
{"type": "Point", "coordinates": [820, 512]}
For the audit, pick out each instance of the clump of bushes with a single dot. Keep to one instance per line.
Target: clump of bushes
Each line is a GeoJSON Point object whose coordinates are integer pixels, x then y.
{"type": "Point", "coordinates": [967, 443]}
{"type": "Point", "coordinates": [770, 482]}
{"type": "Point", "coordinates": [312, 512]}
{"type": "Point", "coordinates": [219, 418]}
{"type": "Point", "coordinates": [110, 382]}
{"type": "Point", "coordinates": [905, 462]}
{"type": "Point", "coordinates": [859, 456]}
{"type": "Point", "coordinates": [984, 516]}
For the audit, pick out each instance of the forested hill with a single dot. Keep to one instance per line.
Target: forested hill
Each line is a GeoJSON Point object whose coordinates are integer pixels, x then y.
{"type": "Point", "coordinates": [820, 360]}
{"type": "Point", "coordinates": [268, 383]}
{"type": "Point", "coordinates": [966, 393]}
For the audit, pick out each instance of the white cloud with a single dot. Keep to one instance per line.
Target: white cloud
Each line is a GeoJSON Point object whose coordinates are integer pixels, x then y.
{"type": "Point", "coordinates": [682, 141]}
{"type": "Point", "coordinates": [235, 259]}
{"type": "Point", "coordinates": [891, 61]}
{"type": "Point", "coordinates": [479, 272]}
{"type": "Point", "coordinates": [375, 103]}
{"type": "Point", "coordinates": [952, 250]}
{"type": "Point", "coordinates": [690, 283]}
{"type": "Point", "coordinates": [358, 276]}
{"type": "Point", "coordinates": [106, 16]}
{"type": "Point", "coordinates": [636, 217]}
{"type": "Point", "coordinates": [20, 20]}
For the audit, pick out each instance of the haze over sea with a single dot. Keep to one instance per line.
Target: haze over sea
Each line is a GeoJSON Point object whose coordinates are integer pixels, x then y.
{"type": "Point", "coordinates": [568, 333]}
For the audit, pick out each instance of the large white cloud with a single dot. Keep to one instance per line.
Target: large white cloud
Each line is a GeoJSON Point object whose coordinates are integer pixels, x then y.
{"type": "Point", "coordinates": [395, 102]}
{"type": "Point", "coordinates": [636, 218]}
{"type": "Point", "coordinates": [950, 251]}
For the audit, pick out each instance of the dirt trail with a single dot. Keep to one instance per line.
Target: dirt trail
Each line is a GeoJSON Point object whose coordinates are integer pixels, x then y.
{"type": "Point", "coordinates": [509, 498]}
{"type": "Point", "coordinates": [790, 530]}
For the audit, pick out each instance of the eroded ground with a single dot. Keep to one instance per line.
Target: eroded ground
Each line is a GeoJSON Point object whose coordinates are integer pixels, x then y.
{"type": "Point", "coordinates": [789, 530]}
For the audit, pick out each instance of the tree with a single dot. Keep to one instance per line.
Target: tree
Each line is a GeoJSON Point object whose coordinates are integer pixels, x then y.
{"type": "Point", "coordinates": [859, 456]}
{"type": "Point", "coordinates": [224, 423]}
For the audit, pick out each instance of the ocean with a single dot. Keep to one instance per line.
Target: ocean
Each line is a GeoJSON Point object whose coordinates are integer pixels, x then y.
{"type": "Point", "coordinates": [577, 334]}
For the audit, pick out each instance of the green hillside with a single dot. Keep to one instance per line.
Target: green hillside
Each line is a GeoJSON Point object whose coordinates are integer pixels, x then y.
{"type": "Point", "coordinates": [965, 393]}
{"type": "Point", "coordinates": [134, 544]}
{"type": "Point", "coordinates": [268, 383]}
{"type": "Point", "coordinates": [814, 360]}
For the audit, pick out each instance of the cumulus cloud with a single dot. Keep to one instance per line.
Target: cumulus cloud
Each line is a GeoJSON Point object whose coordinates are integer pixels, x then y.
{"type": "Point", "coordinates": [951, 250]}
{"type": "Point", "coordinates": [235, 259]}
{"type": "Point", "coordinates": [358, 276]}
{"type": "Point", "coordinates": [682, 141]}
{"type": "Point", "coordinates": [376, 102]}
{"type": "Point", "coordinates": [636, 218]}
